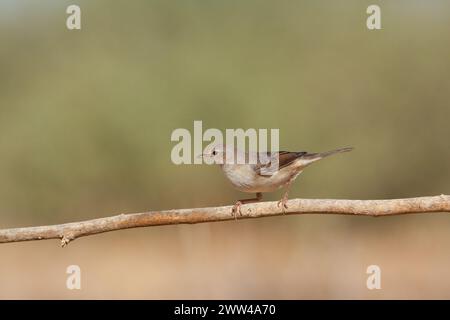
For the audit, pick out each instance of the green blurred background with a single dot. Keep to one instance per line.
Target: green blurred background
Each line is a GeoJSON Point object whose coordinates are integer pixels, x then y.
{"type": "Point", "coordinates": [86, 118]}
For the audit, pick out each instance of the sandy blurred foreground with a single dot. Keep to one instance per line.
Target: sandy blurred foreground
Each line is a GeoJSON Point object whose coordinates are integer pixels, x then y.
{"type": "Point", "coordinates": [286, 257]}
{"type": "Point", "coordinates": [86, 118]}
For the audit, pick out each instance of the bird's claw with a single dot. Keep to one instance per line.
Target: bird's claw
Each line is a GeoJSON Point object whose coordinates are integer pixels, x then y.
{"type": "Point", "coordinates": [283, 204]}
{"type": "Point", "coordinates": [236, 209]}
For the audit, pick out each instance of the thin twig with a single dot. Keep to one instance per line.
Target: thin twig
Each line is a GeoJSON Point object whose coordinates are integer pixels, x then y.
{"type": "Point", "coordinates": [70, 231]}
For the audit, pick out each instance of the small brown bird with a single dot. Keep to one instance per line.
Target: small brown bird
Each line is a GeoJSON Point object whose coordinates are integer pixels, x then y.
{"type": "Point", "coordinates": [263, 176]}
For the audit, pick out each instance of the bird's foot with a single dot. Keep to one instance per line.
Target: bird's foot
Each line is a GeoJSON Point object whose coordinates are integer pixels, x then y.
{"type": "Point", "coordinates": [236, 209]}
{"type": "Point", "coordinates": [283, 204]}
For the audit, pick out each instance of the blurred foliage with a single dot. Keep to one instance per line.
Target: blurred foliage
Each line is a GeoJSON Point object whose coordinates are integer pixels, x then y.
{"type": "Point", "coordinates": [86, 116]}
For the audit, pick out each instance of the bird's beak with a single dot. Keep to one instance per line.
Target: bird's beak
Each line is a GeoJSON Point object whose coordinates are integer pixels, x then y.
{"type": "Point", "coordinates": [200, 156]}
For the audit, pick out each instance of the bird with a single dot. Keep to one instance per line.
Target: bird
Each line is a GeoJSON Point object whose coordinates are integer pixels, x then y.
{"type": "Point", "coordinates": [278, 170]}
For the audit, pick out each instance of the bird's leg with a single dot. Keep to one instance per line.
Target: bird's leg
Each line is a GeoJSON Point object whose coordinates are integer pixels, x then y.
{"type": "Point", "coordinates": [284, 199]}
{"type": "Point", "coordinates": [237, 206]}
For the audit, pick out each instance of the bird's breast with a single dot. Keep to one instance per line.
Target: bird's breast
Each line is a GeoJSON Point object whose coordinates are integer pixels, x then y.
{"type": "Point", "coordinates": [245, 179]}
{"type": "Point", "coordinates": [241, 176]}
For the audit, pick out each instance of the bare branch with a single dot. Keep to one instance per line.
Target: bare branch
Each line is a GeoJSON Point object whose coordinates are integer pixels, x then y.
{"type": "Point", "coordinates": [70, 231]}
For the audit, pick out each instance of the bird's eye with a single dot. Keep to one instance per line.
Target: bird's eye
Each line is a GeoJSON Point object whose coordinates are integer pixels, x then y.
{"type": "Point", "coordinates": [214, 152]}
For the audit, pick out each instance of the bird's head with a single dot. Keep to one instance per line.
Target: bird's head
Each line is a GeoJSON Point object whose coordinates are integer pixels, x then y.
{"type": "Point", "coordinates": [215, 153]}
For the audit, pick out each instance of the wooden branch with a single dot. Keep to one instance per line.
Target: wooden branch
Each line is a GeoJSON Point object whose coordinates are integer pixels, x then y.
{"type": "Point", "coordinates": [70, 231]}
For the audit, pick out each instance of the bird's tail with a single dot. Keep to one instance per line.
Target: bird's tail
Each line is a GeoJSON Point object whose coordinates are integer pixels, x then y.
{"type": "Point", "coordinates": [313, 157]}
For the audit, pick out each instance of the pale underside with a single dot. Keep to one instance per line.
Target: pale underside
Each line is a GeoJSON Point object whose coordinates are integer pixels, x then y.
{"type": "Point", "coordinates": [250, 178]}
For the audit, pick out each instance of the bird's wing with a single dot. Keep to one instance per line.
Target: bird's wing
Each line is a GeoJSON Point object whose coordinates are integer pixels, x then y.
{"type": "Point", "coordinates": [269, 166]}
